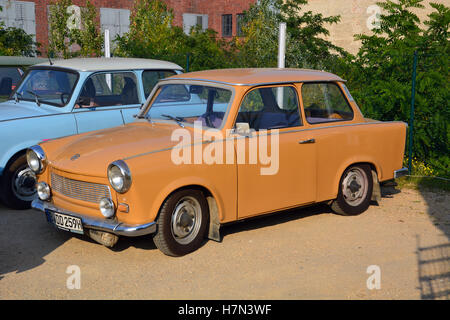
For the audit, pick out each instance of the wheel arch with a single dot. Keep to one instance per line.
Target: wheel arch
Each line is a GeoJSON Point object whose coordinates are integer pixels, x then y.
{"type": "Point", "coordinates": [376, 173]}
{"type": "Point", "coordinates": [214, 206]}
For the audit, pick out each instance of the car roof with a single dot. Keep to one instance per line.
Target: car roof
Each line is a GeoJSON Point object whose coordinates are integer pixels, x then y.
{"type": "Point", "coordinates": [105, 64]}
{"type": "Point", "coordinates": [19, 60]}
{"type": "Point", "coordinates": [257, 76]}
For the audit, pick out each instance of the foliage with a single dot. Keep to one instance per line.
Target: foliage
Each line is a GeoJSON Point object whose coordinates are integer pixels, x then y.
{"type": "Point", "coordinates": [380, 76]}
{"type": "Point", "coordinates": [306, 46]}
{"type": "Point", "coordinates": [206, 50]}
{"type": "Point", "coordinates": [62, 37]}
{"type": "Point", "coordinates": [88, 37]}
{"type": "Point", "coordinates": [151, 33]}
{"type": "Point", "coordinates": [16, 42]}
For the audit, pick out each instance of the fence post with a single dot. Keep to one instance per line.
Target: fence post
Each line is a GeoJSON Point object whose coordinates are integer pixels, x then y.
{"type": "Point", "coordinates": [411, 117]}
{"type": "Point", "coordinates": [187, 62]}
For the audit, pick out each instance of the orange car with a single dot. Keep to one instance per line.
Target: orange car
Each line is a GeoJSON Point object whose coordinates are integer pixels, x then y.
{"type": "Point", "coordinates": [212, 147]}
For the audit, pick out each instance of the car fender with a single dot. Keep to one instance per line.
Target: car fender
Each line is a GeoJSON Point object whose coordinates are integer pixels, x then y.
{"type": "Point", "coordinates": [186, 182]}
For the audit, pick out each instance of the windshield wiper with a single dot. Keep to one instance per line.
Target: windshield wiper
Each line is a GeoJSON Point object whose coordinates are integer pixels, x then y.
{"type": "Point", "coordinates": [16, 96]}
{"type": "Point", "coordinates": [36, 97]}
{"type": "Point", "coordinates": [176, 119]}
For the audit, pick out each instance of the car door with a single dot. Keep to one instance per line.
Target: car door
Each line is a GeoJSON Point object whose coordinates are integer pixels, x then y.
{"type": "Point", "coordinates": [276, 162]}
{"type": "Point", "coordinates": [103, 97]}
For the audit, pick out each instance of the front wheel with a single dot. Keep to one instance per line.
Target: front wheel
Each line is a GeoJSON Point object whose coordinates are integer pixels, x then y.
{"type": "Point", "coordinates": [182, 223]}
{"type": "Point", "coordinates": [17, 185]}
{"type": "Point", "coordinates": [355, 191]}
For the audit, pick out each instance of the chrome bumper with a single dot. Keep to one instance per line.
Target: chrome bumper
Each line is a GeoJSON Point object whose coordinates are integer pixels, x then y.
{"type": "Point", "coordinates": [400, 173]}
{"type": "Point", "coordinates": [114, 227]}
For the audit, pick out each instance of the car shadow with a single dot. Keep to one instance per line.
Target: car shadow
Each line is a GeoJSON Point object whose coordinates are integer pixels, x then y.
{"type": "Point", "coordinates": [273, 219]}
{"type": "Point", "coordinates": [25, 239]}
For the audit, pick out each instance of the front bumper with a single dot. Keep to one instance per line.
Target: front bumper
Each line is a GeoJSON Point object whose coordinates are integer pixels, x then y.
{"type": "Point", "coordinates": [400, 173]}
{"type": "Point", "coordinates": [114, 227]}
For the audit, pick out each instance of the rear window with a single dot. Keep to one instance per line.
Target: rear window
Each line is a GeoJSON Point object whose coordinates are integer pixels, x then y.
{"type": "Point", "coordinates": [151, 77]}
{"type": "Point", "coordinates": [325, 102]}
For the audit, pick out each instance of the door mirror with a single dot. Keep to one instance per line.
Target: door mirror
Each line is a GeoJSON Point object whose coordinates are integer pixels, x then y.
{"type": "Point", "coordinates": [242, 128]}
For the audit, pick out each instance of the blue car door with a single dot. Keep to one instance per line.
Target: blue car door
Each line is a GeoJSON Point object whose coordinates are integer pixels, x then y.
{"type": "Point", "coordinates": [102, 98]}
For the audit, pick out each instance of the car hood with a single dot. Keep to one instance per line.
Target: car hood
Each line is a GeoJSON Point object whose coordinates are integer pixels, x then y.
{"type": "Point", "coordinates": [11, 110]}
{"type": "Point", "coordinates": [90, 154]}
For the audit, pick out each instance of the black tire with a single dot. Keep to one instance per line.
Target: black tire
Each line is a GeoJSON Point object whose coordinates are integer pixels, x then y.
{"type": "Point", "coordinates": [348, 203]}
{"type": "Point", "coordinates": [9, 194]}
{"type": "Point", "coordinates": [166, 238]}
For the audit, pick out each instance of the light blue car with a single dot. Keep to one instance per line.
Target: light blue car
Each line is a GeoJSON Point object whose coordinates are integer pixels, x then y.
{"type": "Point", "coordinates": [66, 97]}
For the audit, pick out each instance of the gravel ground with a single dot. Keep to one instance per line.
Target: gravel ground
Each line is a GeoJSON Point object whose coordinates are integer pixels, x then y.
{"type": "Point", "coordinates": [305, 253]}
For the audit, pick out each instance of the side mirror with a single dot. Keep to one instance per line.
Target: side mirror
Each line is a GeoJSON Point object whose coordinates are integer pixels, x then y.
{"type": "Point", "coordinates": [242, 128]}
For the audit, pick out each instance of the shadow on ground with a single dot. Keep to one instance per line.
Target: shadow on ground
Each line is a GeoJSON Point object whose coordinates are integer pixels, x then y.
{"type": "Point", "coordinates": [273, 219]}
{"type": "Point", "coordinates": [433, 260]}
{"type": "Point", "coordinates": [25, 240]}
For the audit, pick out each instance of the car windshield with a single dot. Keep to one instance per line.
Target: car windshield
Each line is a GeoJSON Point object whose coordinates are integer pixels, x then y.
{"type": "Point", "coordinates": [53, 87]}
{"type": "Point", "coordinates": [187, 103]}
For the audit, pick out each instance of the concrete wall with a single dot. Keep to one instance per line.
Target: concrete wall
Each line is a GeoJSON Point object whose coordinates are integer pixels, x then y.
{"type": "Point", "coordinates": [356, 17]}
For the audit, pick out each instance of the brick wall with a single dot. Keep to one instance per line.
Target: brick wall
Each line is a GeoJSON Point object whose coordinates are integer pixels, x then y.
{"type": "Point", "coordinates": [213, 8]}
{"type": "Point", "coordinates": [42, 19]}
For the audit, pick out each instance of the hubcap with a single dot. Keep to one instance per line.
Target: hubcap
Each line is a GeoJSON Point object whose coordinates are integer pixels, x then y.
{"type": "Point", "coordinates": [186, 220]}
{"type": "Point", "coordinates": [354, 186]}
{"type": "Point", "coordinates": [24, 184]}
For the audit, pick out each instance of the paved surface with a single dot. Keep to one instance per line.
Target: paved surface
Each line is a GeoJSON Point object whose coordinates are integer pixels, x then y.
{"type": "Point", "coordinates": [299, 254]}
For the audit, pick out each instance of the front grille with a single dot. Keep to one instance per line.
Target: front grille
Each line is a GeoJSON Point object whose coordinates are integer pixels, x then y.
{"type": "Point", "coordinates": [80, 190]}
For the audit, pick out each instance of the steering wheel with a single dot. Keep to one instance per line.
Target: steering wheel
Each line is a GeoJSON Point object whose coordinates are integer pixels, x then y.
{"type": "Point", "coordinates": [64, 101]}
{"type": "Point", "coordinates": [208, 120]}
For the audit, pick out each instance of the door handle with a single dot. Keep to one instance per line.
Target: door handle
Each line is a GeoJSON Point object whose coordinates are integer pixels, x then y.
{"type": "Point", "coordinates": [307, 141]}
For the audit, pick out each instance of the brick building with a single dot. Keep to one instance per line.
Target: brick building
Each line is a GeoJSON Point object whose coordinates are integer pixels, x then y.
{"type": "Point", "coordinates": [221, 15]}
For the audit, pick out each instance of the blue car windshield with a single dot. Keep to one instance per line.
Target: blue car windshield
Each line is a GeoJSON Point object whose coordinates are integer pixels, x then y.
{"type": "Point", "coordinates": [189, 103]}
{"type": "Point", "coordinates": [52, 87]}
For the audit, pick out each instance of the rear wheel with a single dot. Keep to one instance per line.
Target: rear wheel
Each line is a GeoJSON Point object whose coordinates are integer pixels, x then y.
{"type": "Point", "coordinates": [18, 184]}
{"type": "Point", "coordinates": [182, 223]}
{"type": "Point", "coordinates": [355, 191]}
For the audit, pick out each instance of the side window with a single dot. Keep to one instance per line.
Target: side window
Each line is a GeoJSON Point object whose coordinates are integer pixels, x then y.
{"type": "Point", "coordinates": [109, 89]}
{"type": "Point", "coordinates": [270, 108]}
{"type": "Point", "coordinates": [151, 77]}
{"type": "Point", "coordinates": [325, 102]}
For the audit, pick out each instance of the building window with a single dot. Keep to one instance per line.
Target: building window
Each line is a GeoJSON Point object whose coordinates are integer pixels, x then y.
{"type": "Point", "coordinates": [239, 24]}
{"type": "Point", "coordinates": [19, 14]}
{"type": "Point", "coordinates": [191, 20]}
{"type": "Point", "coordinates": [227, 25]}
{"type": "Point", "coordinates": [117, 21]}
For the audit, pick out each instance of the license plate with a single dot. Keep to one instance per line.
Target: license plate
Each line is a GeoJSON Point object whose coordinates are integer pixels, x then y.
{"type": "Point", "coordinates": [65, 222]}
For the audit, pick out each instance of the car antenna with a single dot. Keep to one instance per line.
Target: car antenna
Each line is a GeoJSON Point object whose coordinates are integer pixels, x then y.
{"type": "Point", "coordinates": [49, 60]}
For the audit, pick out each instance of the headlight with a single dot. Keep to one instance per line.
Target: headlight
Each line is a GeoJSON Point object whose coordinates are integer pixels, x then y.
{"type": "Point", "coordinates": [43, 191]}
{"type": "Point", "coordinates": [106, 207]}
{"type": "Point", "coordinates": [36, 159]}
{"type": "Point", "coordinates": [119, 176]}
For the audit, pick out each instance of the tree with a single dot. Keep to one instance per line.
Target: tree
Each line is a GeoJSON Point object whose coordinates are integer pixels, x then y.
{"type": "Point", "coordinates": [305, 36]}
{"type": "Point", "coordinates": [68, 26]}
{"type": "Point", "coordinates": [151, 33]}
{"type": "Point", "coordinates": [380, 76]}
